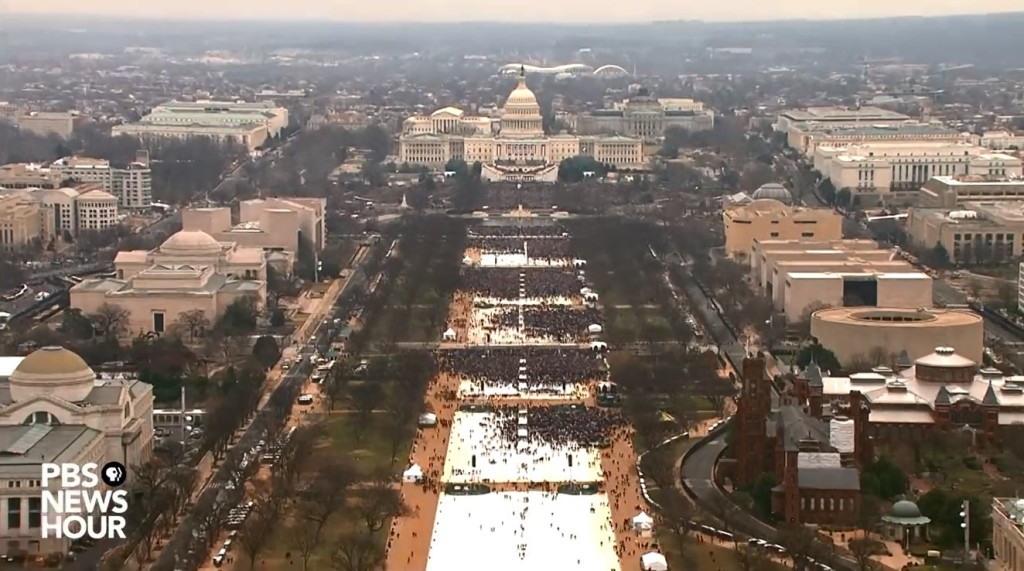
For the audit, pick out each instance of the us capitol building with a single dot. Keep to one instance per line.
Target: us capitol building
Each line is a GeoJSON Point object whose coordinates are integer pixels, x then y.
{"type": "Point", "coordinates": [512, 149]}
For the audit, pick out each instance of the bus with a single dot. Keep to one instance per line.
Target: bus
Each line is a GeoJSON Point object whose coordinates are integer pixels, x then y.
{"type": "Point", "coordinates": [173, 417]}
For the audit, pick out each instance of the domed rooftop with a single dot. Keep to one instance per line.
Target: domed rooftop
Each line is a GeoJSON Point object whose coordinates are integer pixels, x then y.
{"type": "Point", "coordinates": [906, 513]}
{"type": "Point", "coordinates": [774, 191]}
{"type": "Point", "coordinates": [191, 242]}
{"type": "Point", "coordinates": [945, 357]}
{"type": "Point", "coordinates": [905, 509]}
{"type": "Point", "coordinates": [54, 371]}
{"type": "Point", "coordinates": [521, 96]}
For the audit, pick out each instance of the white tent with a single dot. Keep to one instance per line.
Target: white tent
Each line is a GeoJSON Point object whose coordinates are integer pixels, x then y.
{"type": "Point", "coordinates": [578, 263]}
{"type": "Point", "coordinates": [449, 335]}
{"type": "Point", "coordinates": [590, 296]}
{"type": "Point", "coordinates": [413, 474]}
{"type": "Point", "coordinates": [642, 522]}
{"type": "Point", "coordinates": [427, 419]}
{"type": "Point", "coordinates": [653, 562]}
{"type": "Point", "coordinates": [594, 328]}
{"type": "Point", "coordinates": [598, 346]}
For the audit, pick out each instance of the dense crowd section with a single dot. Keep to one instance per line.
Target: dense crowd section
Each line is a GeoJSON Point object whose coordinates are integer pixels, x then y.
{"type": "Point", "coordinates": [504, 283]}
{"type": "Point", "coordinates": [569, 426]}
{"type": "Point", "coordinates": [545, 367]}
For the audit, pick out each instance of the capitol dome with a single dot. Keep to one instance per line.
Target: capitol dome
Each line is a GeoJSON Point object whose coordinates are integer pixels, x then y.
{"type": "Point", "coordinates": [191, 242]}
{"type": "Point", "coordinates": [521, 96]}
{"type": "Point", "coordinates": [774, 191]}
{"type": "Point", "coordinates": [53, 371]}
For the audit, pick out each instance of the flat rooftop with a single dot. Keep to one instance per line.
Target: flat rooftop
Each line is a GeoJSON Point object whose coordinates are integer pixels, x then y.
{"type": "Point", "coordinates": [843, 114]}
{"type": "Point", "coordinates": [977, 181]}
{"type": "Point", "coordinates": [881, 130]}
{"type": "Point", "coordinates": [898, 317]}
{"type": "Point", "coordinates": [877, 275]}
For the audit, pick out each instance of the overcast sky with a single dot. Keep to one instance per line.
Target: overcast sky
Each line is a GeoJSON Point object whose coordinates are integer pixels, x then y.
{"type": "Point", "coordinates": [560, 11]}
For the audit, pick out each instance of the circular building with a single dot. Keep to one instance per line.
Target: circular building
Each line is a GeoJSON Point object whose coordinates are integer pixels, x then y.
{"type": "Point", "coordinates": [859, 332]}
{"type": "Point", "coordinates": [774, 191]}
{"type": "Point", "coordinates": [905, 523]}
{"type": "Point", "coordinates": [52, 371]}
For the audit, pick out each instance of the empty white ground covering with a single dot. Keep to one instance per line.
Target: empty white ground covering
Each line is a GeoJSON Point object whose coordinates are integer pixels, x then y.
{"type": "Point", "coordinates": [523, 531]}
{"type": "Point", "coordinates": [498, 459]}
{"type": "Point", "coordinates": [572, 391]}
{"type": "Point", "coordinates": [491, 260]}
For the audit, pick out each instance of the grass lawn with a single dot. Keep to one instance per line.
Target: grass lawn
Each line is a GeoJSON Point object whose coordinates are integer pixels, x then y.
{"type": "Point", "coordinates": [413, 323]}
{"type": "Point", "coordinates": [628, 324]}
{"type": "Point", "coordinates": [371, 452]}
{"type": "Point", "coordinates": [283, 546]}
{"type": "Point", "coordinates": [704, 556]}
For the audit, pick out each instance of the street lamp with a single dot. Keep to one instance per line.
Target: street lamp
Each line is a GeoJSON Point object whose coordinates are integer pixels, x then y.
{"type": "Point", "coordinates": [965, 515]}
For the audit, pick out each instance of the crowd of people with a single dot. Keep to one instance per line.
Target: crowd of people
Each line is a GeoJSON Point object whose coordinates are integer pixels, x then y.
{"type": "Point", "coordinates": [500, 283]}
{"type": "Point", "coordinates": [504, 283]}
{"type": "Point", "coordinates": [563, 323]}
{"type": "Point", "coordinates": [569, 425]}
{"type": "Point", "coordinates": [496, 245]}
{"type": "Point", "coordinates": [550, 230]}
{"type": "Point", "coordinates": [545, 367]}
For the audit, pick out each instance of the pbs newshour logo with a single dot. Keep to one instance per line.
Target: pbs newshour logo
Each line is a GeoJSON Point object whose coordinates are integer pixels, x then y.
{"type": "Point", "coordinates": [75, 506]}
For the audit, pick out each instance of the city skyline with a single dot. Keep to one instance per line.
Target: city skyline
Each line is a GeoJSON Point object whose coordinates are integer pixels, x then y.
{"type": "Point", "coordinates": [528, 12]}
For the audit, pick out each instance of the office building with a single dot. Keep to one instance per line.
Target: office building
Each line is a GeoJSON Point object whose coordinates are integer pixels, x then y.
{"type": "Point", "coordinates": [1008, 534]}
{"type": "Point", "coordinates": [18, 176]}
{"type": "Point", "coordinates": [20, 221]}
{"type": "Point", "coordinates": [975, 232]}
{"type": "Point", "coordinates": [803, 119]}
{"type": "Point", "coordinates": [876, 169]}
{"type": "Point", "coordinates": [132, 185]}
{"type": "Point", "coordinates": [768, 219]}
{"type": "Point", "coordinates": [45, 124]}
{"type": "Point", "coordinates": [54, 409]}
{"type": "Point", "coordinates": [246, 124]}
{"type": "Point", "coordinates": [950, 191]}
{"type": "Point", "coordinates": [1002, 141]}
{"type": "Point", "coordinates": [806, 137]}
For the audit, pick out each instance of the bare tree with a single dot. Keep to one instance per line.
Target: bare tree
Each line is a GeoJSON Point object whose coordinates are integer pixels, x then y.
{"type": "Point", "coordinates": [257, 531]}
{"type": "Point", "coordinates": [194, 323]}
{"type": "Point", "coordinates": [800, 542]}
{"type": "Point", "coordinates": [751, 558]}
{"type": "Point", "coordinates": [380, 502]}
{"type": "Point", "coordinates": [357, 552]}
{"type": "Point", "coordinates": [305, 538]}
{"type": "Point", "coordinates": [328, 491]}
{"type": "Point", "coordinates": [110, 320]}
{"type": "Point", "coordinates": [862, 550]}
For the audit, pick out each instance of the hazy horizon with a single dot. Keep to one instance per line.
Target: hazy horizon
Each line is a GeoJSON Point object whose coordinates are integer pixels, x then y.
{"type": "Point", "coordinates": [525, 11]}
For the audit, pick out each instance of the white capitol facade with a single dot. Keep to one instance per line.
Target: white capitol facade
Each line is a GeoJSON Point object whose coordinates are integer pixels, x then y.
{"type": "Point", "coordinates": [513, 148]}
